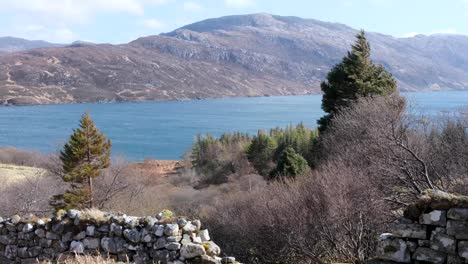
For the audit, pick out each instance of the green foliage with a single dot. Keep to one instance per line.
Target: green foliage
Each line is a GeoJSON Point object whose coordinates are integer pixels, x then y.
{"type": "Point", "coordinates": [290, 164]}
{"type": "Point", "coordinates": [300, 138]}
{"type": "Point", "coordinates": [84, 157]}
{"type": "Point", "coordinates": [261, 152]}
{"type": "Point", "coordinates": [217, 158]}
{"type": "Point", "coordinates": [355, 76]}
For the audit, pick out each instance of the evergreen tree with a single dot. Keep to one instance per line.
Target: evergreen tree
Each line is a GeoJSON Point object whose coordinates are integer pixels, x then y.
{"type": "Point", "coordinates": [291, 164]}
{"type": "Point", "coordinates": [84, 157]}
{"type": "Point", "coordinates": [355, 76]}
{"type": "Point", "coordinates": [261, 152]}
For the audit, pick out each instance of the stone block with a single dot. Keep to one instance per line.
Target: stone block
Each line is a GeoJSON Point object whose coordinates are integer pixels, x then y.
{"type": "Point", "coordinates": [429, 255]}
{"type": "Point", "coordinates": [463, 249]}
{"type": "Point", "coordinates": [410, 231]}
{"type": "Point", "coordinates": [444, 243]}
{"type": "Point", "coordinates": [453, 259]}
{"type": "Point", "coordinates": [436, 218]}
{"type": "Point", "coordinates": [458, 229]}
{"type": "Point", "coordinates": [393, 249]}
{"type": "Point", "coordinates": [458, 214]}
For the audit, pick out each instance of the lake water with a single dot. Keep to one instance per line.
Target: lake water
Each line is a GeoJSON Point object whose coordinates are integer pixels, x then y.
{"type": "Point", "coordinates": [165, 130]}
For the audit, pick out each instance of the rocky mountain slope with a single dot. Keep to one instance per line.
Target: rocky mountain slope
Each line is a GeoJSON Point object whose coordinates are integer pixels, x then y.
{"type": "Point", "coordinates": [11, 44]}
{"type": "Point", "coordinates": [248, 55]}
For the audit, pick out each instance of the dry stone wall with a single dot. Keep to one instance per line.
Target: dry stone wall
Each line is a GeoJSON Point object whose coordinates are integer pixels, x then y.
{"type": "Point", "coordinates": [433, 230]}
{"type": "Point", "coordinates": [160, 239]}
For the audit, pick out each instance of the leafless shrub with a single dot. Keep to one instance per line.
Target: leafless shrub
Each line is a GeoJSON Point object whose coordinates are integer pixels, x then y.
{"type": "Point", "coordinates": [11, 155]}
{"type": "Point", "coordinates": [331, 215]}
{"type": "Point", "coordinates": [404, 152]}
{"type": "Point", "coordinates": [30, 195]}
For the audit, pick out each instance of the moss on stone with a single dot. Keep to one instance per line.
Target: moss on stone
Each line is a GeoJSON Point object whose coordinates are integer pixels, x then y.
{"type": "Point", "coordinates": [435, 200]}
{"type": "Point", "coordinates": [390, 249]}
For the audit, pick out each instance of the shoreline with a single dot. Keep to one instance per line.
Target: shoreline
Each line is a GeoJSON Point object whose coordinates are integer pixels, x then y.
{"type": "Point", "coordinates": [201, 99]}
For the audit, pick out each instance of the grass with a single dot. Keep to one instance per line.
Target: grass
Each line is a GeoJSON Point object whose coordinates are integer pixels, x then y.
{"type": "Point", "coordinates": [93, 214]}
{"type": "Point", "coordinates": [85, 260]}
{"type": "Point", "coordinates": [12, 173]}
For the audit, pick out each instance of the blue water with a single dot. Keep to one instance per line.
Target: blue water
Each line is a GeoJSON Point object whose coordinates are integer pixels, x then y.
{"type": "Point", "coordinates": [165, 130]}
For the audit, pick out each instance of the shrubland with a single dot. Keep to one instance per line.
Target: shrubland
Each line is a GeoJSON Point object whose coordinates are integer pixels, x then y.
{"type": "Point", "coordinates": [291, 195]}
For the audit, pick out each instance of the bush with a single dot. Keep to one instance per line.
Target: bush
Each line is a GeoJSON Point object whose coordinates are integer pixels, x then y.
{"type": "Point", "coordinates": [333, 215]}
{"type": "Point", "coordinates": [405, 153]}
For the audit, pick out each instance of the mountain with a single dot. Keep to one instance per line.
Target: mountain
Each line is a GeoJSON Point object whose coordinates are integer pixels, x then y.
{"type": "Point", "coordinates": [11, 44]}
{"type": "Point", "coordinates": [247, 55]}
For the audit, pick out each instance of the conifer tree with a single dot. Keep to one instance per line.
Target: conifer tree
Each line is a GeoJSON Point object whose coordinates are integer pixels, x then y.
{"type": "Point", "coordinates": [261, 151]}
{"type": "Point", "coordinates": [355, 76]}
{"type": "Point", "coordinates": [84, 157]}
{"type": "Point", "coordinates": [290, 164]}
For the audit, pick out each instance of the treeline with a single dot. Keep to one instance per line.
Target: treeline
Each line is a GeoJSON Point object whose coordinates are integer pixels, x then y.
{"type": "Point", "coordinates": [275, 154]}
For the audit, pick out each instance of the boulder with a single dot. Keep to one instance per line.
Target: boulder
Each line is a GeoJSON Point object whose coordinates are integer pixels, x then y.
{"type": "Point", "coordinates": [192, 250]}
{"type": "Point", "coordinates": [212, 249]}
{"type": "Point", "coordinates": [77, 247]}
{"type": "Point", "coordinates": [132, 235]}
{"type": "Point", "coordinates": [171, 230]}
{"type": "Point", "coordinates": [204, 235]}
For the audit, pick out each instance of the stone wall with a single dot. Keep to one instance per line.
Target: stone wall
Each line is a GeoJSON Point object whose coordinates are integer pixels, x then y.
{"type": "Point", "coordinates": [433, 230]}
{"type": "Point", "coordinates": [160, 239]}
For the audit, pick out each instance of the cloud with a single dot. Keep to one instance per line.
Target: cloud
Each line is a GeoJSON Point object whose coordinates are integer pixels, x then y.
{"type": "Point", "coordinates": [76, 11]}
{"type": "Point", "coordinates": [239, 3]}
{"type": "Point", "coordinates": [192, 6]}
{"type": "Point", "coordinates": [153, 23]}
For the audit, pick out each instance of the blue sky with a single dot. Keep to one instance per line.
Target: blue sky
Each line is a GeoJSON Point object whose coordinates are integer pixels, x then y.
{"type": "Point", "coordinates": [120, 21]}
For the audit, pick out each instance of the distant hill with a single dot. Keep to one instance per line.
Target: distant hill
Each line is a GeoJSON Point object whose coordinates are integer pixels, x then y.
{"type": "Point", "coordinates": [247, 55]}
{"type": "Point", "coordinates": [11, 44]}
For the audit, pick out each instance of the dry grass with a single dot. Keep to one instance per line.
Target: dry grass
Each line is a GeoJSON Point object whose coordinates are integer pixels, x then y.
{"type": "Point", "coordinates": [10, 174]}
{"type": "Point", "coordinates": [93, 214]}
{"type": "Point", "coordinates": [85, 260]}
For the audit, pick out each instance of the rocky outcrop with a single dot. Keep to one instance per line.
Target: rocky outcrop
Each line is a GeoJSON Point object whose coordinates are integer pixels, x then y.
{"type": "Point", "coordinates": [433, 230]}
{"type": "Point", "coordinates": [160, 239]}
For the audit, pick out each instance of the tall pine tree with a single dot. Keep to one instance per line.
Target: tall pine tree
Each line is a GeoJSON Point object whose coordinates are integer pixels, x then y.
{"type": "Point", "coordinates": [355, 76]}
{"type": "Point", "coordinates": [84, 157]}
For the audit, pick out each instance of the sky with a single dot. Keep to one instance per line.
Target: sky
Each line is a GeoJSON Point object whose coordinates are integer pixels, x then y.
{"type": "Point", "coordinates": [120, 21]}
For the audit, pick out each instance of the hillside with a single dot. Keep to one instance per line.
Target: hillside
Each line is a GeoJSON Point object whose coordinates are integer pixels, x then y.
{"type": "Point", "coordinates": [248, 55]}
{"type": "Point", "coordinates": [11, 44]}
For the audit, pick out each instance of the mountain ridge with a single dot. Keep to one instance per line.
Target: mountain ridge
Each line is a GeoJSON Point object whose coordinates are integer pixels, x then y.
{"type": "Point", "coordinates": [243, 55]}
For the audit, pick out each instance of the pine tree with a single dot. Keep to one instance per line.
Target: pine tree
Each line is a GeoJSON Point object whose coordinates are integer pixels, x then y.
{"type": "Point", "coordinates": [84, 157]}
{"type": "Point", "coordinates": [290, 164]}
{"type": "Point", "coordinates": [355, 76]}
{"type": "Point", "coordinates": [261, 151]}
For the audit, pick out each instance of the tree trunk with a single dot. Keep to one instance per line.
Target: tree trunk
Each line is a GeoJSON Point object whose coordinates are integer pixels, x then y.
{"type": "Point", "coordinates": [91, 192]}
